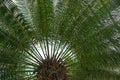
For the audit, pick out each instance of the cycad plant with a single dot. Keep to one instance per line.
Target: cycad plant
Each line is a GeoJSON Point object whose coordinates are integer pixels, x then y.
{"type": "Point", "coordinates": [59, 40]}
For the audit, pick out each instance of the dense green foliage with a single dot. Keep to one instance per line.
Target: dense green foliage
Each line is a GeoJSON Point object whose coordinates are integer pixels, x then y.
{"type": "Point", "coordinates": [83, 34]}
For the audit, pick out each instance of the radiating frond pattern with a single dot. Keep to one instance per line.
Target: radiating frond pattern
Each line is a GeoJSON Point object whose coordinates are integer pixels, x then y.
{"type": "Point", "coordinates": [59, 39]}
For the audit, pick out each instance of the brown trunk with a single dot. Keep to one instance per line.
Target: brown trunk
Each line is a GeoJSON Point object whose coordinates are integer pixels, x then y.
{"type": "Point", "coordinates": [51, 69]}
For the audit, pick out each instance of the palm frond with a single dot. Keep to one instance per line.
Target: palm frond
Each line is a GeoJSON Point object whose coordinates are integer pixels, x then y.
{"type": "Point", "coordinates": [80, 36]}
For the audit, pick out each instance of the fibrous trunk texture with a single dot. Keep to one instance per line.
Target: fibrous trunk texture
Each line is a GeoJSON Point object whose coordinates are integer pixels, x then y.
{"type": "Point", "coordinates": [52, 69]}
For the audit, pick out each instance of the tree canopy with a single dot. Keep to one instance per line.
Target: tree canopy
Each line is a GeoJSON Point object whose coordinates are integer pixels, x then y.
{"type": "Point", "coordinates": [59, 39]}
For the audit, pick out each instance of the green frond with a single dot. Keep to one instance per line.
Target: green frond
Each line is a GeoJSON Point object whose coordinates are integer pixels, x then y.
{"type": "Point", "coordinates": [82, 36]}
